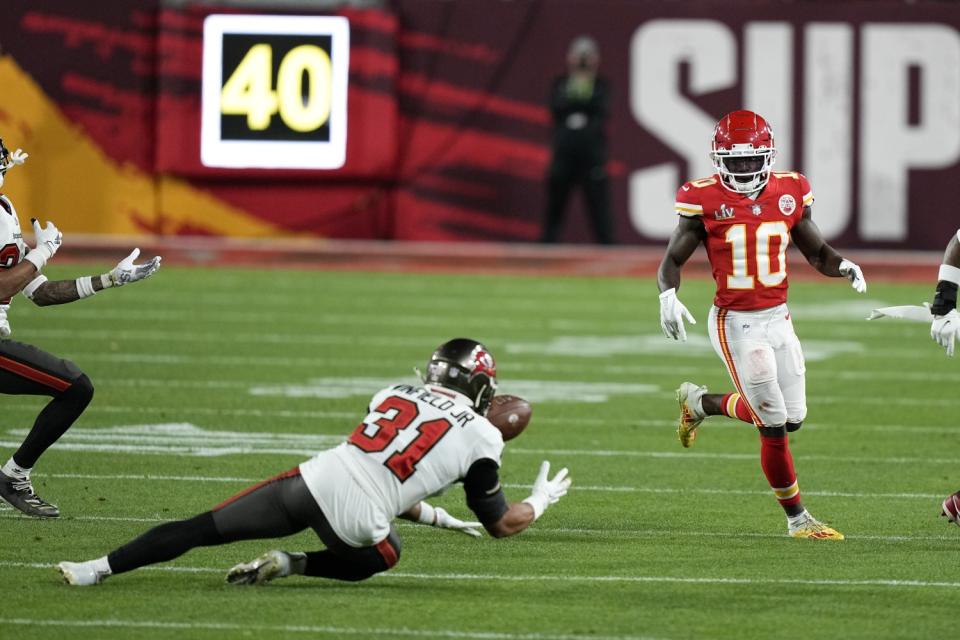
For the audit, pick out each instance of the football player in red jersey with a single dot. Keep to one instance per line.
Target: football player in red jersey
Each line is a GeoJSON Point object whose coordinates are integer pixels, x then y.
{"type": "Point", "coordinates": [745, 215]}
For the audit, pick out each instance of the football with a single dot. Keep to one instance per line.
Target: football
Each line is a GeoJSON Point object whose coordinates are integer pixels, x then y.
{"type": "Point", "coordinates": [510, 415]}
{"type": "Point", "coordinates": [950, 508]}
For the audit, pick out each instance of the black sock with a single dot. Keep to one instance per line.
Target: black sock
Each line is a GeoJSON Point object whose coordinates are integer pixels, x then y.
{"type": "Point", "coordinates": [327, 564]}
{"type": "Point", "coordinates": [53, 421]}
{"type": "Point", "coordinates": [165, 542]}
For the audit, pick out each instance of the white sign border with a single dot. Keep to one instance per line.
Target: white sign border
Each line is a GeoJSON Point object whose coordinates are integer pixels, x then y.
{"type": "Point", "coordinates": [278, 154]}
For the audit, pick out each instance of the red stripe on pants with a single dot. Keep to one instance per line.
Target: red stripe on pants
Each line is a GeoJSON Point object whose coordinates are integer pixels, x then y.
{"type": "Point", "coordinates": [388, 552]}
{"type": "Point", "coordinates": [28, 372]}
{"type": "Point", "coordinates": [280, 476]}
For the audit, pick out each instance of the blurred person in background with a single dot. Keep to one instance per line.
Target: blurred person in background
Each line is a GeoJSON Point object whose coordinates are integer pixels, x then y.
{"type": "Point", "coordinates": [579, 102]}
{"type": "Point", "coordinates": [28, 370]}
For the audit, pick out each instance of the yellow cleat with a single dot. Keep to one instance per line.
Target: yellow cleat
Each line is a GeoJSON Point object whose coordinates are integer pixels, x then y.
{"type": "Point", "coordinates": [815, 530]}
{"type": "Point", "coordinates": [691, 415]}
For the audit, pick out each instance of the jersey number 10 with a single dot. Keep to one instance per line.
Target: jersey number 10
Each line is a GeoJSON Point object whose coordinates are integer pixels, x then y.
{"type": "Point", "coordinates": [738, 235]}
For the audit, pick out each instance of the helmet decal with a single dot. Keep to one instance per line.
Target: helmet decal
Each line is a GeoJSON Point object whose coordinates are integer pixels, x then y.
{"type": "Point", "coordinates": [483, 363]}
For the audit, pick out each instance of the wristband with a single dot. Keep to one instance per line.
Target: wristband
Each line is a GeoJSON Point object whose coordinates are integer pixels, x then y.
{"type": "Point", "coordinates": [538, 504]}
{"type": "Point", "coordinates": [428, 515]}
{"type": "Point", "coordinates": [85, 287]}
{"type": "Point", "coordinates": [36, 258]}
{"type": "Point", "coordinates": [106, 281]}
{"type": "Point", "coordinates": [33, 285]}
{"type": "Point", "coordinates": [949, 273]}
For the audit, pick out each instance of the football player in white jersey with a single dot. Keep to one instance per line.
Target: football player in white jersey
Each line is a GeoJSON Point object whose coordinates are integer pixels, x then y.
{"type": "Point", "coordinates": [416, 441]}
{"type": "Point", "coordinates": [27, 370]}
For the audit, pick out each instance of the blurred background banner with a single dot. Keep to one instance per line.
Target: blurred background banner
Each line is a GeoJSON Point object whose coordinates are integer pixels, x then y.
{"type": "Point", "coordinates": [448, 130]}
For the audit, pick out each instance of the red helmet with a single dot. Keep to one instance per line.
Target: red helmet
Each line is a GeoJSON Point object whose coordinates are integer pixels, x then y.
{"type": "Point", "coordinates": [743, 151]}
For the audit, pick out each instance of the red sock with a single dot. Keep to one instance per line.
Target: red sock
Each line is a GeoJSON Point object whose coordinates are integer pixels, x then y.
{"type": "Point", "coordinates": [777, 465]}
{"type": "Point", "coordinates": [733, 406]}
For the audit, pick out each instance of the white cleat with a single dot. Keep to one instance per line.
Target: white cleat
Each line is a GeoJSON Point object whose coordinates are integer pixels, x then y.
{"type": "Point", "coordinates": [691, 412]}
{"type": "Point", "coordinates": [269, 566]}
{"type": "Point", "coordinates": [80, 574]}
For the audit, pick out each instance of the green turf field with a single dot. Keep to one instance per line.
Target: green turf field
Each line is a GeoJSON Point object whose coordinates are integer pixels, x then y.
{"type": "Point", "coordinates": [208, 380]}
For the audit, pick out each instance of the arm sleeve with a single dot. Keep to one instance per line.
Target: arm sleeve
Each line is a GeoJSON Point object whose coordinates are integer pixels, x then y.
{"type": "Point", "coordinates": [484, 494]}
{"type": "Point", "coordinates": [687, 203]}
{"type": "Point", "coordinates": [806, 190]}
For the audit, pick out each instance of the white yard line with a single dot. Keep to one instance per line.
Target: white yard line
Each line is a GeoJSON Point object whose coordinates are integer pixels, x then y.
{"type": "Point", "coordinates": [610, 579]}
{"type": "Point", "coordinates": [575, 487]}
{"type": "Point", "coordinates": [328, 630]}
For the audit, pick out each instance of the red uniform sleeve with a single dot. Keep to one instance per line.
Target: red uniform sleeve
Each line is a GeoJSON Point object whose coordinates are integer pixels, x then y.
{"type": "Point", "coordinates": [806, 191]}
{"type": "Point", "coordinates": [688, 202]}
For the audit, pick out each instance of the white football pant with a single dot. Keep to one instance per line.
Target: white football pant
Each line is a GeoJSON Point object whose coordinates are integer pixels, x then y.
{"type": "Point", "coordinates": [765, 361]}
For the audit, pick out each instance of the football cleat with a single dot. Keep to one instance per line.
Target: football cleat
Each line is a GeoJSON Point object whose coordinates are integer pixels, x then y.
{"type": "Point", "coordinates": [951, 508]}
{"type": "Point", "coordinates": [691, 413]}
{"type": "Point", "coordinates": [271, 565]}
{"type": "Point", "coordinates": [80, 574]}
{"type": "Point", "coordinates": [813, 529]}
{"type": "Point", "coordinates": [20, 494]}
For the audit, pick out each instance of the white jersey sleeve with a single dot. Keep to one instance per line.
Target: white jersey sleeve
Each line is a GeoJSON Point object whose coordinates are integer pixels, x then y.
{"type": "Point", "coordinates": [414, 443]}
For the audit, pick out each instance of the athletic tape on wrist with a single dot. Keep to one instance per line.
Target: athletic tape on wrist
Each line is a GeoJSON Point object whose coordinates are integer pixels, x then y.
{"type": "Point", "coordinates": [85, 287]}
{"type": "Point", "coordinates": [949, 273]}
{"type": "Point", "coordinates": [106, 281]}
{"type": "Point", "coordinates": [37, 258]}
{"type": "Point", "coordinates": [428, 515]}
{"type": "Point", "coordinates": [33, 285]}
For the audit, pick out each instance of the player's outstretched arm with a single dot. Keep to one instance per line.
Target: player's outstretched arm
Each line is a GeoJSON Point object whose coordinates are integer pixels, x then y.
{"type": "Point", "coordinates": [946, 321]}
{"type": "Point", "coordinates": [821, 256]}
{"type": "Point", "coordinates": [520, 515]}
{"type": "Point", "coordinates": [45, 292]}
{"type": "Point", "coordinates": [425, 513]}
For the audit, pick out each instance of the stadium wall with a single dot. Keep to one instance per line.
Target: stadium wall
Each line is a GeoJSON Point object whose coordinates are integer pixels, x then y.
{"type": "Point", "coordinates": [448, 129]}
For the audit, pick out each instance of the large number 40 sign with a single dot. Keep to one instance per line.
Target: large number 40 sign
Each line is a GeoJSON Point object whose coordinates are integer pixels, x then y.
{"type": "Point", "coordinates": [275, 91]}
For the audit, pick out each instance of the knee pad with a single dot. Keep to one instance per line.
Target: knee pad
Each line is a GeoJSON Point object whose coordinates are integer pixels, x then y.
{"type": "Point", "coordinates": [81, 389]}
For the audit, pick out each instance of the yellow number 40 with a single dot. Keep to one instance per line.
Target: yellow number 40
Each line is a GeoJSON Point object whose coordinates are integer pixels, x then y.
{"type": "Point", "coordinates": [249, 91]}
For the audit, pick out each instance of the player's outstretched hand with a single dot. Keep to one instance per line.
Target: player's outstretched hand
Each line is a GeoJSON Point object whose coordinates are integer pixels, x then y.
{"type": "Point", "coordinates": [852, 272]}
{"type": "Point", "coordinates": [446, 521]}
{"type": "Point", "coordinates": [48, 242]}
{"type": "Point", "coordinates": [547, 491]}
{"type": "Point", "coordinates": [17, 158]}
{"type": "Point", "coordinates": [126, 271]}
{"type": "Point", "coordinates": [672, 314]}
{"type": "Point", "coordinates": [944, 330]}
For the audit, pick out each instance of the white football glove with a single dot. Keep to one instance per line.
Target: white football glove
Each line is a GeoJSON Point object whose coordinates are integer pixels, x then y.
{"type": "Point", "coordinates": [17, 158]}
{"type": "Point", "coordinates": [852, 272]}
{"type": "Point", "coordinates": [672, 313]}
{"type": "Point", "coordinates": [444, 520]}
{"type": "Point", "coordinates": [126, 271]}
{"type": "Point", "coordinates": [944, 330]}
{"type": "Point", "coordinates": [546, 492]}
{"type": "Point", "coordinates": [48, 241]}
